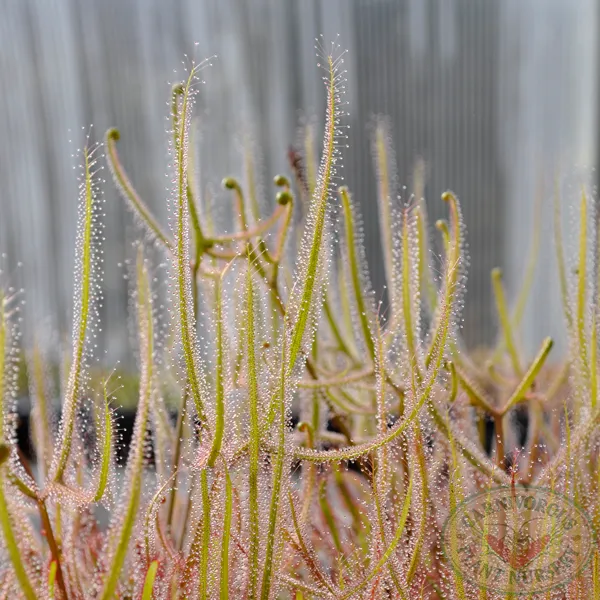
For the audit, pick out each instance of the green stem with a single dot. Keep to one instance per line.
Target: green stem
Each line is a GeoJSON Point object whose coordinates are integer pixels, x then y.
{"type": "Point", "coordinates": [425, 276]}
{"type": "Point", "coordinates": [3, 339]}
{"type": "Point", "coordinates": [220, 393]}
{"type": "Point", "coordinates": [530, 375]}
{"type": "Point", "coordinates": [594, 364]}
{"type": "Point", "coordinates": [453, 265]}
{"type": "Point", "coordinates": [74, 382]}
{"type": "Point", "coordinates": [12, 548]}
{"type": "Point", "coordinates": [106, 448]}
{"type": "Point", "coordinates": [505, 320]}
{"type": "Point", "coordinates": [582, 288]}
{"type": "Point", "coordinates": [177, 454]}
{"type": "Point", "coordinates": [136, 454]}
{"type": "Point", "coordinates": [357, 284]}
{"type": "Point", "coordinates": [42, 432]}
{"type": "Point", "coordinates": [183, 277]}
{"type": "Point", "coordinates": [254, 438]}
{"type": "Point", "coordinates": [51, 579]}
{"type": "Point", "coordinates": [384, 181]}
{"type": "Point", "coordinates": [54, 549]}
{"type": "Point", "coordinates": [277, 480]}
{"type": "Point", "coordinates": [204, 552]}
{"type": "Point", "coordinates": [560, 259]}
{"type": "Point", "coordinates": [389, 550]}
{"type": "Point", "coordinates": [226, 537]}
{"type": "Point", "coordinates": [310, 274]}
{"type": "Point", "coordinates": [329, 518]}
{"type": "Point", "coordinates": [408, 293]}
{"type": "Point", "coordinates": [128, 191]}
{"type": "Point", "coordinates": [335, 329]}
{"type": "Point", "coordinates": [149, 581]}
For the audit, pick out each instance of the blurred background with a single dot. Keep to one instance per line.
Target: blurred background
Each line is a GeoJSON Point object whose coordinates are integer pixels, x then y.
{"type": "Point", "coordinates": [498, 97]}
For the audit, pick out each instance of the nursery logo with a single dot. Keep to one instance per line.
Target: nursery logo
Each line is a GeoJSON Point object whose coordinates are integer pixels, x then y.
{"type": "Point", "coordinates": [516, 540]}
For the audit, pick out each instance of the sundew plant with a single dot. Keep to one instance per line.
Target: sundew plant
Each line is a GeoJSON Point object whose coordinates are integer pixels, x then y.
{"type": "Point", "coordinates": [294, 437]}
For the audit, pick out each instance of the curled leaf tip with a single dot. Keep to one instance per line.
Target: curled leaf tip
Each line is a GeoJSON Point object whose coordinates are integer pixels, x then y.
{"type": "Point", "coordinates": [113, 134]}
{"type": "Point", "coordinates": [178, 88]}
{"type": "Point", "coordinates": [284, 198]}
{"type": "Point", "coordinates": [229, 183]}
{"type": "Point", "coordinates": [281, 181]}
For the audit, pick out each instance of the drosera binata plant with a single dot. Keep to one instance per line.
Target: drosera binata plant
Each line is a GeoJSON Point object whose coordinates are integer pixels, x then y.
{"type": "Point", "coordinates": [237, 498]}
